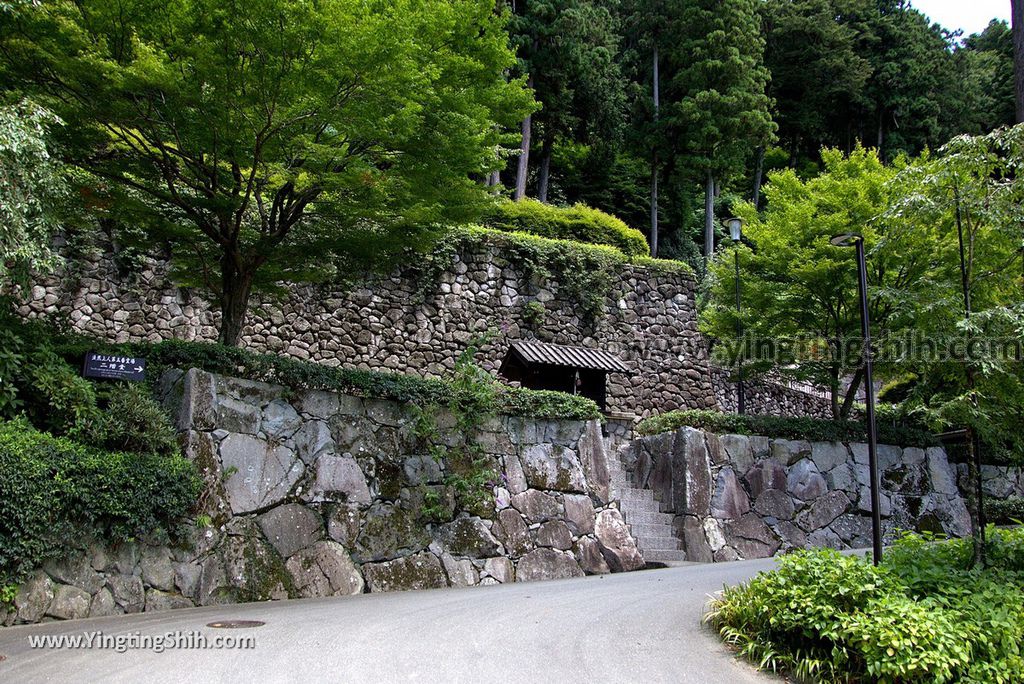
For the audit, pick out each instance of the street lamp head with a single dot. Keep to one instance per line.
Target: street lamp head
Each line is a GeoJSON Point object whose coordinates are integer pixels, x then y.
{"type": "Point", "coordinates": [735, 228]}
{"type": "Point", "coordinates": [846, 239]}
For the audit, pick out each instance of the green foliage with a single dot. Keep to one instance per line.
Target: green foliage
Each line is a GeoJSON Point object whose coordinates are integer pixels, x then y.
{"type": "Point", "coordinates": [270, 140]}
{"type": "Point", "coordinates": [1008, 511]}
{"type": "Point", "coordinates": [810, 429]}
{"type": "Point", "coordinates": [923, 615]}
{"type": "Point", "coordinates": [534, 314]}
{"type": "Point", "coordinates": [54, 491]}
{"type": "Point", "coordinates": [31, 187]}
{"type": "Point", "coordinates": [578, 223]}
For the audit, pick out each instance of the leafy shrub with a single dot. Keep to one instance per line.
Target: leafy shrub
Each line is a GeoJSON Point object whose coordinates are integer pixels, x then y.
{"type": "Point", "coordinates": [54, 491]}
{"type": "Point", "coordinates": [133, 421]}
{"type": "Point", "coordinates": [811, 429]}
{"type": "Point", "coordinates": [1005, 512]}
{"type": "Point", "coordinates": [578, 223]}
{"type": "Point", "coordinates": [924, 615]}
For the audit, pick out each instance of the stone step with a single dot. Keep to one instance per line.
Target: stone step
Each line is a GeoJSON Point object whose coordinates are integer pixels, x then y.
{"type": "Point", "coordinates": [634, 506]}
{"type": "Point", "coordinates": [658, 543]}
{"type": "Point", "coordinates": [632, 494]}
{"type": "Point", "coordinates": [649, 530]}
{"type": "Point", "coordinates": [642, 518]}
{"type": "Point", "coordinates": [665, 555]}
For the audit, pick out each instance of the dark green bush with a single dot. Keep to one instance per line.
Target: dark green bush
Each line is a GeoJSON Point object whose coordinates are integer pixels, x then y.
{"type": "Point", "coordinates": [54, 492]}
{"type": "Point", "coordinates": [924, 615]}
{"type": "Point", "coordinates": [1005, 512]}
{"type": "Point", "coordinates": [811, 429]}
{"type": "Point", "coordinates": [578, 223]}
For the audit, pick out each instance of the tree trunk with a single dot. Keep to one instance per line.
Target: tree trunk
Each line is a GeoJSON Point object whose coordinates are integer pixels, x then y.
{"type": "Point", "coordinates": [851, 394]}
{"type": "Point", "coordinates": [834, 390]}
{"type": "Point", "coordinates": [758, 174]}
{"type": "Point", "coordinates": [524, 154]}
{"type": "Point", "coordinates": [1017, 20]}
{"type": "Point", "coordinates": [709, 218]}
{"type": "Point", "coordinates": [494, 179]}
{"type": "Point", "coordinates": [236, 288]}
{"type": "Point", "coordinates": [544, 178]}
{"type": "Point", "coordinates": [654, 157]}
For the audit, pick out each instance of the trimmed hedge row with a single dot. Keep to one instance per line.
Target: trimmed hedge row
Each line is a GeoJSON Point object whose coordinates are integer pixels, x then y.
{"type": "Point", "coordinates": [811, 429]}
{"type": "Point", "coordinates": [1005, 512]}
{"type": "Point", "coordinates": [579, 223]}
{"type": "Point", "coordinates": [300, 375]}
{"type": "Point", "coordinates": [54, 491]}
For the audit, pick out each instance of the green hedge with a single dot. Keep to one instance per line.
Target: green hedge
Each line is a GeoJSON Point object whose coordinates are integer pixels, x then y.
{"type": "Point", "coordinates": [926, 614]}
{"type": "Point", "coordinates": [811, 429]}
{"type": "Point", "coordinates": [54, 492]}
{"type": "Point", "coordinates": [579, 223]}
{"type": "Point", "coordinates": [301, 375]}
{"type": "Point", "coordinates": [1005, 512]}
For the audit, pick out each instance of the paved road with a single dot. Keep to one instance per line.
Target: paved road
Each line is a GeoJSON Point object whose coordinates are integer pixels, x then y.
{"type": "Point", "coordinates": [641, 626]}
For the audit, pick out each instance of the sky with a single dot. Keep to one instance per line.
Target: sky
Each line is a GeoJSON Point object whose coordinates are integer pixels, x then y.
{"type": "Point", "coordinates": [970, 15]}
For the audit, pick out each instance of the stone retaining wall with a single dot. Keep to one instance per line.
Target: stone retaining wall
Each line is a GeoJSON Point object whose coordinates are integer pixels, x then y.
{"type": "Point", "coordinates": [736, 496]}
{"type": "Point", "coordinates": [316, 494]}
{"type": "Point", "coordinates": [998, 482]}
{"type": "Point", "coordinates": [411, 323]}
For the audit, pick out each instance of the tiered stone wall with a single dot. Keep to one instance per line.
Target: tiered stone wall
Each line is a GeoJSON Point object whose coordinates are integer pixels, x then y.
{"type": "Point", "coordinates": [998, 482]}
{"type": "Point", "coordinates": [736, 496]}
{"type": "Point", "coordinates": [406, 324]}
{"type": "Point", "coordinates": [319, 494]}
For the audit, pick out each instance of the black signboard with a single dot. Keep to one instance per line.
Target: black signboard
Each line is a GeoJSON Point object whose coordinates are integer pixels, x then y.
{"type": "Point", "coordinates": [113, 367]}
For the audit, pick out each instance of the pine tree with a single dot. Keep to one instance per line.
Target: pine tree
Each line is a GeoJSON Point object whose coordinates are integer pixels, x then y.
{"type": "Point", "coordinates": [715, 107]}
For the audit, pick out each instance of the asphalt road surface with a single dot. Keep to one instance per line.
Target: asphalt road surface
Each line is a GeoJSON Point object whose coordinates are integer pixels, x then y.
{"type": "Point", "coordinates": [640, 626]}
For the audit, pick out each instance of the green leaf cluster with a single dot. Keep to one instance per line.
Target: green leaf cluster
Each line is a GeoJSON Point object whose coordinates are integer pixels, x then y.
{"type": "Point", "coordinates": [923, 615]}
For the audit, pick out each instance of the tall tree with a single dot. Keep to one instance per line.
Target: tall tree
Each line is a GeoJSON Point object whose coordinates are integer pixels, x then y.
{"type": "Point", "coordinates": [273, 138]}
{"type": "Point", "coordinates": [1017, 20]}
{"type": "Point", "coordinates": [716, 109]}
{"type": "Point", "coordinates": [569, 50]}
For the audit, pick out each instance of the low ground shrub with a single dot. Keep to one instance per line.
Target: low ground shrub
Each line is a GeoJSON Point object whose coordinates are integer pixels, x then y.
{"type": "Point", "coordinates": [924, 615]}
{"type": "Point", "coordinates": [811, 429]}
{"type": "Point", "coordinates": [578, 223]}
{"type": "Point", "coordinates": [1005, 512]}
{"type": "Point", "coordinates": [54, 491]}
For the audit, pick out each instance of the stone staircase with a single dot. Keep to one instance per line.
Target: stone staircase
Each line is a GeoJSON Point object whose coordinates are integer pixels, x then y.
{"type": "Point", "coordinates": [651, 528]}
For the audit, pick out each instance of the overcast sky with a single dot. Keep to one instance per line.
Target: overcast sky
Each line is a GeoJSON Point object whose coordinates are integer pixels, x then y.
{"type": "Point", "coordinates": [970, 15]}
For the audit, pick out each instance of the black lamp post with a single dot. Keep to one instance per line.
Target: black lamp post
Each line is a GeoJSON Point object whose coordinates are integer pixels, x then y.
{"type": "Point", "coordinates": [736, 233]}
{"type": "Point", "coordinates": [848, 240]}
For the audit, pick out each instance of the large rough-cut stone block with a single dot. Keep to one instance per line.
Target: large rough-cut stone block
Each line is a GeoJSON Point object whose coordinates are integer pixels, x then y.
{"type": "Point", "coordinates": [553, 467]}
{"type": "Point", "coordinates": [388, 532]}
{"type": "Point", "coordinates": [555, 534]}
{"type": "Point", "coordinates": [788, 452]}
{"type": "Point", "coordinates": [324, 569]}
{"type": "Point", "coordinates": [739, 451]}
{"type": "Point", "coordinates": [792, 536]}
{"type": "Point", "coordinates": [312, 440]}
{"type": "Point", "coordinates": [500, 568]}
{"type": "Point", "coordinates": [691, 473]}
{"type": "Point", "coordinates": [77, 571]}
{"type": "Point", "coordinates": [157, 600]}
{"type": "Point", "coordinates": [940, 473]}
{"type": "Point", "coordinates": [594, 459]}
{"type": "Point", "coordinates": [546, 564]}
{"type": "Point", "coordinates": [157, 568]}
{"type": "Point", "coordinates": [730, 500]}
{"type": "Point", "coordinates": [461, 572]}
{"type": "Point", "coordinates": [513, 533]}
{"type": "Point", "coordinates": [804, 481]}
{"type": "Point", "coordinates": [694, 542]}
{"type": "Point", "coordinates": [828, 455]}
{"type": "Point", "coordinates": [69, 603]}
{"type": "Point", "coordinates": [238, 416]}
{"type": "Point", "coordinates": [467, 537]}
{"type": "Point", "coordinates": [241, 568]}
{"type": "Point", "coordinates": [290, 527]}
{"type": "Point", "coordinates": [318, 404]}
{"type": "Point", "coordinates": [514, 478]}
{"type": "Point", "coordinates": [198, 394]}
{"type": "Point", "coordinates": [257, 474]}
{"type": "Point", "coordinates": [889, 456]}
{"type": "Point", "coordinates": [422, 470]}
{"type": "Point", "coordinates": [776, 504]}
{"type": "Point", "coordinates": [767, 474]}
{"type": "Point", "coordinates": [420, 571]}
{"type": "Point", "coordinates": [128, 592]}
{"type": "Point", "coordinates": [339, 477]}
{"type": "Point", "coordinates": [843, 477]}
{"type": "Point", "coordinates": [103, 604]}
{"type": "Point", "coordinates": [34, 597]}
{"type": "Point", "coordinates": [579, 513]}
{"type": "Point", "coordinates": [591, 560]}
{"type": "Point", "coordinates": [751, 537]}
{"type": "Point", "coordinates": [825, 538]}
{"type": "Point", "coordinates": [617, 545]}
{"type": "Point", "coordinates": [824, 510]}
{"type": "Point", "coordinates": [280, 420]}
{"type": "Point", "coordinates": [343, 522]}
{"type": "Point", "coordinates": [536, 505]}
{"type": "Point", "coordinates": [853, 529]}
